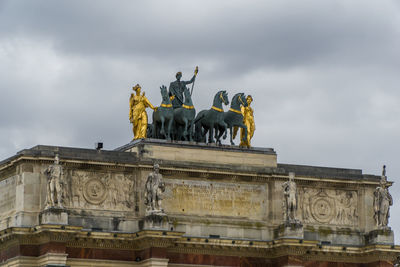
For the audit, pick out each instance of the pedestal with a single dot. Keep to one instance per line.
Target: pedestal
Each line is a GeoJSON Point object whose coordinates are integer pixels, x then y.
{"type": "Point", "coordinates": [292, 229]}
{"type": "Point", "coordinates": [54, 215]}
{"type": "Point", "coordinates": [156, 220]}
{"type": "Point", "coordinates": [383, 235]}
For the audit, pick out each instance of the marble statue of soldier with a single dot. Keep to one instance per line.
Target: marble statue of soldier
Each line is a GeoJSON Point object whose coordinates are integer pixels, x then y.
{"type": "Point", "coordinates": [154, 190]}
{"type": "Point", "coordinates": [290, 199]}
{"type": "Point", "coordinates": [54, 175]}
{"type": "Point", "coordinates": [382, 202]}
{"type": "Point", "coordinates": [177, 87]}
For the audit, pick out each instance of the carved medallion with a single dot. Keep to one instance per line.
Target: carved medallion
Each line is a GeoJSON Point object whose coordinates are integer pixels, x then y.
{"type": "Point", "coordinates": [323, 209]}
{"type": "Point", "coordinates": [94, 191]}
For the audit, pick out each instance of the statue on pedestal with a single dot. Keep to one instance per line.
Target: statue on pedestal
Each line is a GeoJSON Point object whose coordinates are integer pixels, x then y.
{"type": "Point", "coordinates": [382, 202]}
{"type": "Point", "coordinates": [137, 112]}
{"type": "Point", "coordinates": [54, 175]}
{"type": "Point", "coordinates": [154, 190]}
{"type": "Point", "coordinates": [248, 120]}
{"type": "Point", "coordinates": [290, 200]}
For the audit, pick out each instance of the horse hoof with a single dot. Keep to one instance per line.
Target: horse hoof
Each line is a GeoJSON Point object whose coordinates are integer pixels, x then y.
{"type": "Point", "coordinates": [232, 143]}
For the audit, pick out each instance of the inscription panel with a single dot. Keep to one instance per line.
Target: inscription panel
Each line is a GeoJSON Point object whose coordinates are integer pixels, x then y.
{"type": "Point", "coordinates": [329, 206]}
{"type": "Point", "coordinates": [215, 199]}
{"type": "Point", "coordinates": [7, 195]}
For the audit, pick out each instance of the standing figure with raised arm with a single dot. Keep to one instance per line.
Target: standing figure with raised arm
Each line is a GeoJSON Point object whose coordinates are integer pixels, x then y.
{"type": "Point", "coordinates": [137, 112]}
{"type": "Point", "coordinates": [177, 87]}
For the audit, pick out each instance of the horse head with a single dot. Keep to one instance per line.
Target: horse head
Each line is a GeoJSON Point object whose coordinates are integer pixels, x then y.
{"type": "Point", "coordinates": [238, 100]}
{"type": "Point", "coordinates": [188, 96]}
{"type": "Point", "coordinates": [164, 95]}
{"type": "Point", "coordinates": [242, 100]}
{"type": "Point", "coordinates": [223, 97]}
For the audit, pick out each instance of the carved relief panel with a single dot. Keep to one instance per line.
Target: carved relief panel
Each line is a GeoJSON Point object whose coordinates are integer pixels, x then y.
{"type": "Point", "coordinates": [329, 206]}
{"type": "Point", "coordinates": [96, 190]}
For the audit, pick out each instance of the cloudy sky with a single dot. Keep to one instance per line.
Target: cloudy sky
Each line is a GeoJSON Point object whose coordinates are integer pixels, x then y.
{"type": "Point", "coordinates": [324, 75]}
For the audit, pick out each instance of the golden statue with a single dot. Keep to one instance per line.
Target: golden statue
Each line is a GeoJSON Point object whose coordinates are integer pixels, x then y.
{"type": "Point", "coordinates": [248, 120]}
{"type": "Point", "coordinates": [137, 112]}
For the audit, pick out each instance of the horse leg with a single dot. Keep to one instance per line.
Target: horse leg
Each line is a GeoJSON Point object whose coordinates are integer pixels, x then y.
{"type": "Point", "coordinates": [210, 138]}
{"type": "Point", "coordinates": [242, 125]}
{"type": "Point", "coordinates": [203, 135]}
{"type": "Point", "coordinates": [225, 129]}
{"type": "Point", "coordinates": [185, 131]}
{"type": "Point", "coordinates": [210, 134]}
{"type": "Point", "coordinates": [169, 128]}
{"type": "Point", "coordinates": [191, 131]}
{"type": "Point", "coordinates": [162, 132]}
{"type": "Point", "coordinates": [219, 134]}
{"type": "Point", "coordinates": [230, 131]}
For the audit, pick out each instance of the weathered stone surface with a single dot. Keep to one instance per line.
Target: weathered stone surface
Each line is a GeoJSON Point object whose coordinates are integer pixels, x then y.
{"type": "Point", "coordinates": [155, 221]}
{"type": "Point", "coordinates": [290, 230]}
{"type": "Point", "coordinates": [206, 198]}
{"type": "Point", "coordinates": [202, 153]}
{"type": "Point", "coordinates": [54, 216]}
{"type": "Point", "coordinates": [380, 236]}
{"type": "Point", "coordinates": [7, 195]}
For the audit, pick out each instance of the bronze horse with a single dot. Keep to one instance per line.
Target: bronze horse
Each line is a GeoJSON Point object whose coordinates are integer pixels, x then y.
{"type": "Point", "coordinates": [212, 118]}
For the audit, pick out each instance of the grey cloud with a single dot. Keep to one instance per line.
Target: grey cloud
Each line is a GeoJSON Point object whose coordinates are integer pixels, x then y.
{"type": "Point", "coordinates": [269, 35]}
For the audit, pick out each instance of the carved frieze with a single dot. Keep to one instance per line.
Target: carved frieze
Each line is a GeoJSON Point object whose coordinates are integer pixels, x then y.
{"type": "Point", "coordinates": [329, 206]}
{"type": "Point", "coordinates": [98, 190]}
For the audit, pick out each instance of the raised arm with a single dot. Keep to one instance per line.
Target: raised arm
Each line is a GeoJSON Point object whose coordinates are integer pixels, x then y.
{"type": "Point", "coordinates": [147, 103]}
{"type": "Point", "coordinates": [191, 80]}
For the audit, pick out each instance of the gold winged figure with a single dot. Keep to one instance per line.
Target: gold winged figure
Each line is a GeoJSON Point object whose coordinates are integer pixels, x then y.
{"type": "Point", "coordinates": [248, 120]}
{"type": "Point", "coordinates": [137, 112]}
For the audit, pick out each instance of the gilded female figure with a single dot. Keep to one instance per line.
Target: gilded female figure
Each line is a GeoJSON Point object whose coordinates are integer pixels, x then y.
{"type": "Point", "coordinates": [137, 112]}
{"type": "Point", "coordinates": [248, 120]}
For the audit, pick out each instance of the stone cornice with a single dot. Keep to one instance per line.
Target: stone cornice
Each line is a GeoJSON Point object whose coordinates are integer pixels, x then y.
{"type": "Point", "coordinates": [208, 173]}
{"type": "Point", "coordinates": [175, 242]}
{"type": "Point", "coordinates": [78, 237]}
{"type": "Point", "coordinates": [306, 250]}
